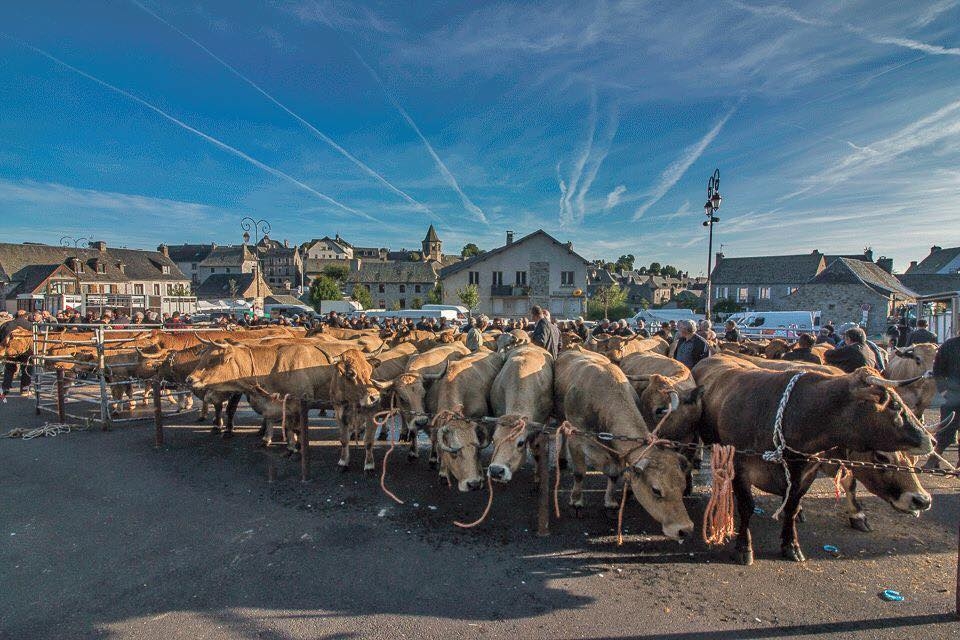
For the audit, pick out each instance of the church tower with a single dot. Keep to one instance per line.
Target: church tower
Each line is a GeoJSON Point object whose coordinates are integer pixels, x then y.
{"type": "Point", "coordinates": [431, 246]}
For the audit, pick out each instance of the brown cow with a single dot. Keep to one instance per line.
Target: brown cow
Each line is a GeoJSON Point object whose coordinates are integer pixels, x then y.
{"type": "Point", "coordinates": [522, 389]}
{"type": "Point", "coordinates": [355, 396]}
{"type": "Point", "coordinates": [595, 396]}
{"type": "Point", "coordinates": [616, 348]}
{"type": "Point", "coordinates": [461, 395]}
{"type": "Point", "coordinates": [859, 411]}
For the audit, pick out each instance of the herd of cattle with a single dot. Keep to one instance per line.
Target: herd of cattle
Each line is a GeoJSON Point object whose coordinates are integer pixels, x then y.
{"type": "Point", "coordinates": [510, 390]}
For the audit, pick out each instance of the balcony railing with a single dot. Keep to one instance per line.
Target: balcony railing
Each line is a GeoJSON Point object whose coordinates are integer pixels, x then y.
{"type": "Point", "coordinates": [509, 291]}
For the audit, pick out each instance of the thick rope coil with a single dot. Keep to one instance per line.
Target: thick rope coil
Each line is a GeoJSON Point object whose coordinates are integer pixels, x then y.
{"type": "Point", "coordinates": [718, 517]}
{"type": "Point", "coordinates": [48, 430]}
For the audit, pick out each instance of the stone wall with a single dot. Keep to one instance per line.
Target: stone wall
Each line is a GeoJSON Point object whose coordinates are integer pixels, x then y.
{"type": "Point", "coordinates": [841, 303]}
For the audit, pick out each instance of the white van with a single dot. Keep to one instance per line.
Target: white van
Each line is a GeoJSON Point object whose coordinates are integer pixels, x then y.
{"type": "Point", "coordinates": [776, 324]}
{"type": "Point", "coordinates": [415, 314]}
{"type": "Point", "coordinates": [461, 312]}
{"type": "Point", "coordinates": [659, 316]}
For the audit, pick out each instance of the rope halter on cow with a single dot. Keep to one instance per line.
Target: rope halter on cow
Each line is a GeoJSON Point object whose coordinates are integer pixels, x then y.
{"type": "Point", "coordinates": [780, 442]}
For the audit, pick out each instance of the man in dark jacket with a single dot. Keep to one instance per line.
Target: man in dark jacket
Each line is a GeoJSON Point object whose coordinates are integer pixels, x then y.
{"type": "Point", "coordinates": [731, 333]}
{"type": "Point", "coordinates": [853, 354]}
{"type": "Point", "coordinates": [689, 347]}
{"type": "Point", "coordinates": [543, 333]}
{"type": "Point", "coordinates": [582, 330]}
{"type": "Point", "coordinates": [803, 351]}
{"type": "Point", "coordinates": [946, 371]}
{"type": "Point", "coordinates": [921, 334]}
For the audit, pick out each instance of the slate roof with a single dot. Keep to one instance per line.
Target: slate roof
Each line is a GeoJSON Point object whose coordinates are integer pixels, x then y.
{"type": "Point", "coordinates": [227, 256]}
{"type": "Point", "coordinates": [768, 269]}
{"type": "Point", "coordinates": [316, 265]}
{"type": "Point", "coordinates": [283, 299]}
{"type": "Point", "coordinates": [931, 283]}
{"type": "Point", "coordinates": [466, 264]}
{"type": "Point", "coordinates": [395, 272]}
{"type": "Point", "coordinates": [217, 285]}
{"type": "Point", "coordinates": [848, 271]}
{"type": "Point", "coordinates": [29, 264]}
{"type": "Point", "coordinates": [431, 235]}
{"type": "Point", "coordinates": [340, 243]}
{"type": "Point", "coordinates": [189, 252]}
{"type": "Point", "coordinates": [936, 261]}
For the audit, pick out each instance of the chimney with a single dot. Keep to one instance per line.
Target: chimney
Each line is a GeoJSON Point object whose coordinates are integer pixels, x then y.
{"type": "Point", "coordinates": [913, 265]}
{"type": "Point", "coordinates": [885, 263]}
{"type": "Point", "coordinates": [213, 245]}
{"type": "Point", "coordinates": [122, 267]}
{"type": "Point", "coordinates": [164, 250]}
{"type": "Point", "coordinates": [509, 237]}
{"type": "Point", "coordinates": [99, 245]}
{"type": "Point", "coordinates": [74, 264]}
{"type": "Point", "coordinates": [868, 254]}
{"type": "Point", "coordinates": [935, 249]}
{"type": "Point", "coordinates": [718, 259]}
{"type": "Point", "coordinates": [286, 244]}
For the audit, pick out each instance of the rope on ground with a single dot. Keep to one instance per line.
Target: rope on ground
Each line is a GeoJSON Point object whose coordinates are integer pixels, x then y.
{"type": "Point", "coordinates": [380, 419]}
{"type": "Point", "coordinates": [623, 505]}
{"type": "Point", "coordinates": [483, 516]}
{"type": "Point", "coordinates": [718, 517]}
{"type": "Point", "coordinates": [48, 429]}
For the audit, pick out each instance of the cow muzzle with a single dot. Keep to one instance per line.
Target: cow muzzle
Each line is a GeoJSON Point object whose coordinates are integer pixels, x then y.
{"type": "Point", "coordinates": [680, 531]}
{"type": "Point", "coordinates": [499, 473]}
{"type": "Point", "coordinates": [913, 503]}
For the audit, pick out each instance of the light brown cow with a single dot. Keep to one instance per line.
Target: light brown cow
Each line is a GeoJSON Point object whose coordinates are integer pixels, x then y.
{"type": "Point", "coordinates": [522, 389]}
{"type": "Point", "coordinates": [462, 396]}
{"type": "Point", "coordinates": [511, 339]}
{"type": "Point", "coordinates": [595, 396]}
{"type": "Point", "coordinates": [355, 396]}
{"type": "Point", "coordinates": [785, 365]}
{"type": "Point", "coordinates": [910, 362]}
{"type": "Point", "coordinates": [665, 385]}
{"type": "Point", "coordinates": [616, 348]}
{"type": "Point", "coordinates": [414, 388]}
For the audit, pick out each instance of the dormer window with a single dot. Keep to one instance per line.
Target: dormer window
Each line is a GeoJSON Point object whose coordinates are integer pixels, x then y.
{"type": "Point", "coordinates": [165, 269]}
{"type": "Point", "coordinates": [101, 268]}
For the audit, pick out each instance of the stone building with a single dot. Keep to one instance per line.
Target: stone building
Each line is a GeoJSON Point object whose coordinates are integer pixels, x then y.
{"type": "Point", "coordinates": [850, 290]}
{"type": "Point", "coordinates": [229, 260]}
{"type": "Point", "coordinates": [233, 286]}
{"type": "Point", "coordinates": [281, 264]}
{"type": "Point", "coordinates": [395, 284]}
{"type": "Point", "coordinates": [536, 269]}
{"type": "Point", "coordinates": [938, 273]}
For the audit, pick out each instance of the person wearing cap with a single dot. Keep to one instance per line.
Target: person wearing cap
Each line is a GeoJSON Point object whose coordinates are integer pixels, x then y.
{"type": "Point", "coordinates": [475, 334]}
{"type": "Point", "coordinates": [732, 333]}
{"type": "Point", "coordinates": [582, 330]}
{"type": "Point", "coordinates": [642, 329]}
{"type": "Point", "coordinates": [853, 354]}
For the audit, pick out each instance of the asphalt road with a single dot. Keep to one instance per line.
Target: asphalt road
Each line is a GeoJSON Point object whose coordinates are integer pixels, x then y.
{"type": "Point", "coordinates": [103, 536]}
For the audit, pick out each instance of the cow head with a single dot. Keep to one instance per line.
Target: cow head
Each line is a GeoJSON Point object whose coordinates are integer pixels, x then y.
{"type": "Point", "coordinates": [879, 419]}
{"type": "Point", "coordinates": [922, 354]}
{"type": "Point", "coordinates": [902, 491]}
{"type": "Point", "coordinates": [661, 397]}
{"type": "Point", "coordinates": [509, 445]}
{"type": "Point", "coordinates": [219, 364]}
{"type": "Point", "coordinates": [658, 480]}
{"type": "Point", "coordinates": [614, 346]}
{"type": "Point", "coordinates": [776, 349]}
{"type": "Point", "coordinates": [410, 389]}
{"type": "Point", "coordinates": [354, 379]}
{"type": "Point", "coordinates": [459, 442]}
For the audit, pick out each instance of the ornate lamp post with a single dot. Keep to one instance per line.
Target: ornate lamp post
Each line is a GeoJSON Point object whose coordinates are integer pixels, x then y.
{"type": "Point", "coordinates": [70, 241]}
{"type": "Point", "coordinates": [259, 227]}
{"type": "Point", "coordinates": [709, 208]}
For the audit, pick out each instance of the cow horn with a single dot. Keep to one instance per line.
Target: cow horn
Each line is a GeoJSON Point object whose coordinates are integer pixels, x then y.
{"type": "Point", "coordinates": [325, 354]}
{"type": "Point", "coordinates": [602, 339]}
{"type": "Point", "coordinates": [935, 428]}
{"type": "Point", "coordinates": [437, 376]}
{"type": "Point", "coordinates": [383, 345]}
{"type": "Point", "coordinates": [204, 341]}
{"type": "Point", "coordinates": [490, 419]}
{"type": "Point", "coordinates": [891, 384]}
{"type": "Point", "coordinates": [639, 378]}
{"type": "Point", "coordinates": [444, 430]}
{"type": "Point", "coordinates": [674, 401]}
{"type": "Point", "coordinates": [150, 356]}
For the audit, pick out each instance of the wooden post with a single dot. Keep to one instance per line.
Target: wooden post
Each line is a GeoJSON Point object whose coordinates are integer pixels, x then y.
{"type": "Point", "coordinates": [61, 397]}
{"type": "Point", "coordinates": [157, 413]}
{"type": "Point", "coordinates": [102, 365]}
{"type": "Point", "coordinates": [304, 442]}
{"type": "Point", "coordinates": [543, 495]}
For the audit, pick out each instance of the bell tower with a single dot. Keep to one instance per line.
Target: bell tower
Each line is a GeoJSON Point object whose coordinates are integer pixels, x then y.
{"type": "Point", "coordinates": [431, 246]}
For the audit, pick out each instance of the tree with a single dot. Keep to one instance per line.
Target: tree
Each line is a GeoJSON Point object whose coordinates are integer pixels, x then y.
{"type": "Point", "coordinates": [625, 263]}
{"type": "Point", "coordinates": [181, 290]}
{"type": "Point", "coordinates": [435, 295]}
{"type": "Point", "coordinates": [669, 271]}
{"type": "Point", "coordinates": [726, 305]}
{"type": "Point", "coordinates": [608, 302]}
{"type": "Point", "coordinates": [414, 256]}
{"type": "Point", "coordinates": [469, 296]}
{"type": "Point", "coordinates": [470, 249]}
{"type": "Point", "coordinates": [336, 272]}
{"type": "Point", "coordinates": [416, 303]}
{"type": "Point", "coordinates": [233, 287]}
{"type": "Point", "coordinates": [396, 306]}
{"type": "Point", "coordinates": [324, 288]}
{"type": "Point", "coordinates": [654, 268]}
{"type": "Point", "coordinates": [362, 296]}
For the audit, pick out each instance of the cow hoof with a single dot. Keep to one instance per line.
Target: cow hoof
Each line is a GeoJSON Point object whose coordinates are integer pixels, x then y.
{"type": "Point", "coordinates": [369, 466]}
{"type": "Point", "coordinates": [744, 557]}
{"type": "Point", "coordinates": [412, 456]}
{"type": "Point", "coordinates": [612, 513]}
{"type": "Point", "coordinates": [201, 419]}
{"type": "Point", "coordinates": [860, 524]}
{"type": "Point", "coordinates": [578, 513]}
{"type": "Point", "coordinates": [433, 464]}
{"type": "Point", "coordinates": [800, 517]}
{"type": "Point", "coordinates": [342, 468]}
{"type": "Point", "coordinates": [287, 453]}
{"type": "Point", "coordinates": [214, 430]}
{"type": "Point", "coordinates": [227, 435]}
{"type": "Point", "coordinates": [563, 464]}
{"type": "Point", "coordinates": [793, 552]}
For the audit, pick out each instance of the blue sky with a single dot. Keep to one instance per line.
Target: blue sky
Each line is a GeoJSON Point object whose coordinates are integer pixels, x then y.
{"type": "Point", "coordinates": [835, 125]}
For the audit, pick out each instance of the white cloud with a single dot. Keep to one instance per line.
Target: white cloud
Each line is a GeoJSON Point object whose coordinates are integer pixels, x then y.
{"type": "Point", "coordinates": [678, 167]}
{"type": "Point", "coordinates": [614, 197]}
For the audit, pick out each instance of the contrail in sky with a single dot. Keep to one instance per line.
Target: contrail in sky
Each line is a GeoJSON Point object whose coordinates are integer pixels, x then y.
{"type": "Point", "coordinates": [346, 154]}
{"type": "Point", "coordinates": [223, 145]}
{"type": "Point", "coordinates": [447, 176]}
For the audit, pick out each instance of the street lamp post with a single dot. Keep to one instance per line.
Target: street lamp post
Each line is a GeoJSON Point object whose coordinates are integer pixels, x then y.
{"type": "Point", "coordinates": [711, 207]}
{"type": "Point", "coordinates": [258, 227]}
